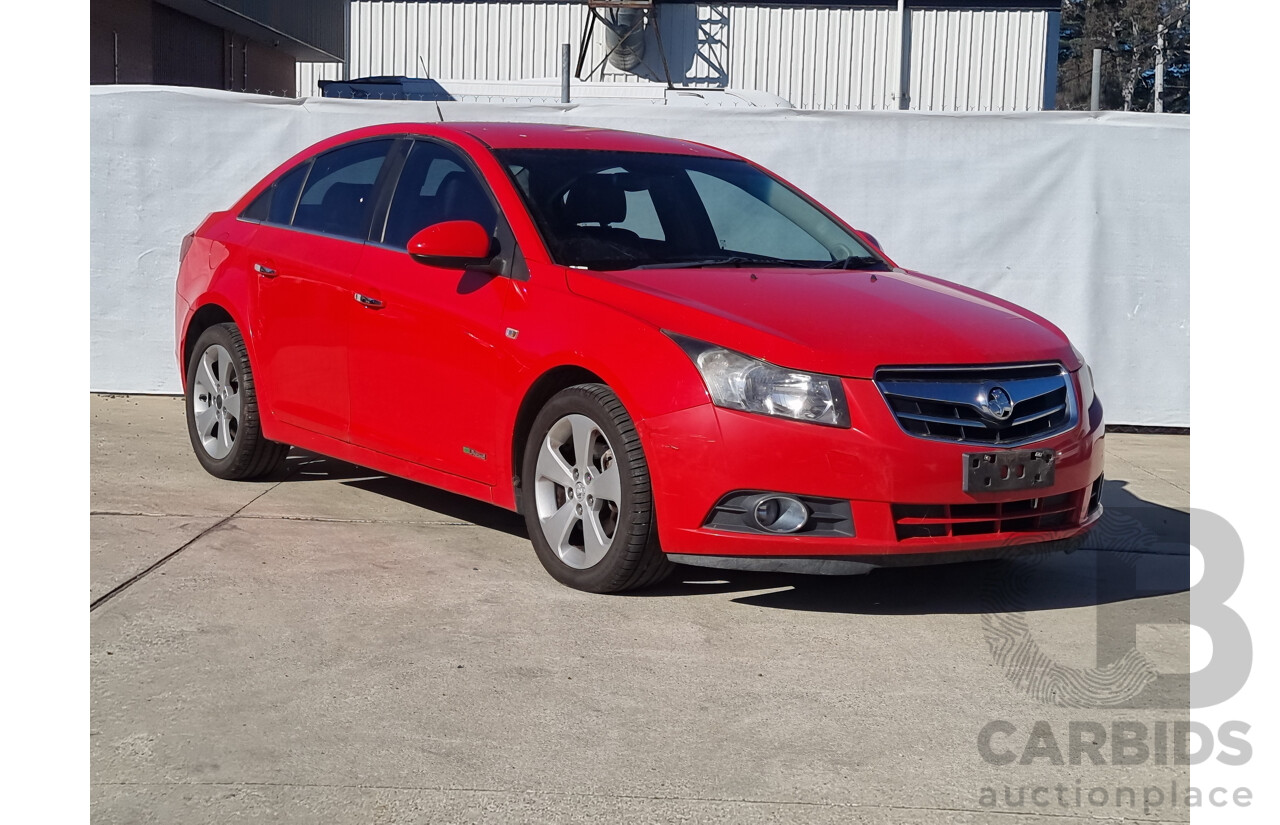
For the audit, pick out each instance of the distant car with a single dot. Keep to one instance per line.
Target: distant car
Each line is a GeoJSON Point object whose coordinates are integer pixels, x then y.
{"type": "Point", "coordinates": [655, 350]}
{"type": "Point", "coordinates": [384, 87]}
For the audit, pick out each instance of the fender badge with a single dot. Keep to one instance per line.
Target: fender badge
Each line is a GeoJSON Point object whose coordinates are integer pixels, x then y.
{"type": "Point", "coordinates": [474, 453]}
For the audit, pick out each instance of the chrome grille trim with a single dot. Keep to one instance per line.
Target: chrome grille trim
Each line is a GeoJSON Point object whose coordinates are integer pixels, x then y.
{"type": "Point", "coordinates": [944, 403]}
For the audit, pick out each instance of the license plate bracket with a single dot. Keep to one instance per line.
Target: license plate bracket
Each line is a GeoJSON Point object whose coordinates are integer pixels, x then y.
{"type": "Point", "coordinates": [995, 472]}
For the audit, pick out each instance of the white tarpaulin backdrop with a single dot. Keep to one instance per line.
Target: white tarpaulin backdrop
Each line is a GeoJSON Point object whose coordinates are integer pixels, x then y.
{"type": "Point", "coordinates": [1081, 218]}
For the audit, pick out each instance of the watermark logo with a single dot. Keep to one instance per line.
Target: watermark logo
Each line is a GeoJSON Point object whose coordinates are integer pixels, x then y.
{"type": "Point", "coordinates": [1111, 800]}
{"type": "Point", "coordinates": [1127, 565]}
{"type": "Point", "coordinates": [1123, 676]}
{"type": "Point", "coordinates": [1123, 743]}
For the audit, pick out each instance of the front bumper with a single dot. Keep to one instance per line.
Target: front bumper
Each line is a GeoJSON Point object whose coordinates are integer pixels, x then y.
{"type": "Point", "coordinates": [905, 493]}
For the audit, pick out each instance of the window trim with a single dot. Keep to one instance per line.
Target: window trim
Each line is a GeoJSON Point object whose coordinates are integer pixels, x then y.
{"type": "Point", "coordinates": [394, 157]}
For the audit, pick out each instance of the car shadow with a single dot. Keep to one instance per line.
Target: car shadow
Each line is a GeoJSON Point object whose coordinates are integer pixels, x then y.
{"type": "Point", "coordinates": [1138, 550]}
{"type": "Point", "coordinates": [303, 466]}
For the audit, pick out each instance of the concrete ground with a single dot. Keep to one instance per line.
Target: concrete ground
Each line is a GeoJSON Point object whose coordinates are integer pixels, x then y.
{"type": "Point", "coordinates": [334, 646]}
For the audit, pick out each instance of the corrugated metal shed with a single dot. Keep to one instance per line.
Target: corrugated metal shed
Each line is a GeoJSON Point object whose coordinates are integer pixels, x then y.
{"type": "Point", "coordinates": [978, 60]}
{"type": "Point", "coordinates": [830, 56]}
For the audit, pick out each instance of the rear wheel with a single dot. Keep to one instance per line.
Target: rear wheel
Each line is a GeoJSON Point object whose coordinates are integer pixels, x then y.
{"type": "Point", "coordinates": [222, 409]}
{"type": "Point", "coordinates": [588, 502]}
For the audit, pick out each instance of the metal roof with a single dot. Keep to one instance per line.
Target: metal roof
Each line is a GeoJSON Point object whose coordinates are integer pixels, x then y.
{"type": "Point", "coordinates": [1036, 5]}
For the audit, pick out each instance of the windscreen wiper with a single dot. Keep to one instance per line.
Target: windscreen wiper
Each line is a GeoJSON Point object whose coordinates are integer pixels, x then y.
{"type": "Point", "coordinates": [731, 260]}
{"type": "Point", "coordinates": [863, 262]}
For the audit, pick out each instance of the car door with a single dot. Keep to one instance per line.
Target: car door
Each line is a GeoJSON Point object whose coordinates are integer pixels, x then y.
{"type": "Point", "coordinates": [306, 254]}
{"type": "Point", "coordinates": [426, 346]}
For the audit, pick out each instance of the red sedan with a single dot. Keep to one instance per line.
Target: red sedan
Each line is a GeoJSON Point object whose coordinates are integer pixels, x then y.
{"type": "Point", "coordinates": [655, 350]}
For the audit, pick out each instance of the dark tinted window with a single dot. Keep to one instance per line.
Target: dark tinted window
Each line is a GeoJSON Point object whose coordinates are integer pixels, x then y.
{"type": "Point", "coordinates": [286, 195]}
{"type": "Point", "coordinates": [339, 191]}
{"type": "Point", "coordinates": [436, 186]}
{"type": "Point", "coordinates": [276, 202]}
{"type": "Point", "coordinates": [257, 211]}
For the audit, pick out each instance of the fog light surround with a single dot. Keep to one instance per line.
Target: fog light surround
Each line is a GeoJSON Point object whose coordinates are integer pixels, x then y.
{"type": "Point", "coordinates": [779, 514]}
{"type": "Point", "coordinates": [776, 513]}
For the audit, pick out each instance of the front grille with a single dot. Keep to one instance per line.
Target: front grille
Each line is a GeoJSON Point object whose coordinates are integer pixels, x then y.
{"type": "Point", "coordinates": [1031, 515]}
{"type": "Point", "coordinates": [948, 404]}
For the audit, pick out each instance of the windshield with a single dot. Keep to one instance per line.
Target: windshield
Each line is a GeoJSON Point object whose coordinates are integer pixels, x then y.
{"type": "Point", "coordinates": [628, 210]}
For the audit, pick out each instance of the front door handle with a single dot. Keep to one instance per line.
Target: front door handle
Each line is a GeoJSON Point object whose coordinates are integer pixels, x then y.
{"type": "Point", "coordinates": [371, 303]}
{"type": "Point", "coordinates": [264, 271]}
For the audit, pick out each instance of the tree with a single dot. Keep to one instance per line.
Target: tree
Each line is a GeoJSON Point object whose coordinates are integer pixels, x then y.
{"type": "Point", "coordinates": [1130, 32]}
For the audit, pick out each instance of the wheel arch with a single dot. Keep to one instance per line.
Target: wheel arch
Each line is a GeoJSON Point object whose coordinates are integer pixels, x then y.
{"type": "Point", "coordinates": [208, 315]}
{"type": "Point", "coordinates": [535, 398]}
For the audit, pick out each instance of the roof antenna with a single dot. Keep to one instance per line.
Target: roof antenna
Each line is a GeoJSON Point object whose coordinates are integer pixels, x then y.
{"type": "Point", "coordinates": [426, 75]}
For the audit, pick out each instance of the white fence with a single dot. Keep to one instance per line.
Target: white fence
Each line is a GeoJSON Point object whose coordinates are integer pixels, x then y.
{"type": "Point", "coordinates": [1081, 218]}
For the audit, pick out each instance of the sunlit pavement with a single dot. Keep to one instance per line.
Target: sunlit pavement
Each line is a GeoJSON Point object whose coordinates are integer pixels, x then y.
{"type": "Point", "coordinates": [332, 645]}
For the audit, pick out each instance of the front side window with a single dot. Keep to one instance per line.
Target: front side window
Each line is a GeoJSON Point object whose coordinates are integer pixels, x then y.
{"type": "Point", "coordinates": [626, 210]}
{"type": "Point", "coordinates": [339, 190]}
{"type": "Point", "coordinates": [435, 186]}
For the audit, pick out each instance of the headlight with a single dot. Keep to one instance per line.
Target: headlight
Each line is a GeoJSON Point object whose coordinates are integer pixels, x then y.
{"type": "Point", "coordinates": [1086, 386]}
{"type": "Point", "coordinates": [1085, 376]}
{"type": "Point", "coordinates": [740, 382]}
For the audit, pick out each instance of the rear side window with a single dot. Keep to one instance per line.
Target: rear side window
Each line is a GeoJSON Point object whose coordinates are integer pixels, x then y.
{"type": "Point", "coordinates": [339, 191]}
{"type": "Point", "coordinates": [276, 203]}
{"type": "Point", "coordinates": [435, 186]}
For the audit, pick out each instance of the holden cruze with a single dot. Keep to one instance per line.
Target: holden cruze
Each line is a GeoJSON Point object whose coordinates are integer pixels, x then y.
{"type": "Point", "coordinates": [653, 349]}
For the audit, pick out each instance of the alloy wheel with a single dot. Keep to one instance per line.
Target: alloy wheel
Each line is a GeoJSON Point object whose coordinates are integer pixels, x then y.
{"type": "Point", "coordinates": [216, 401]}
{"type": "Point", "coordinates": [578, 491]}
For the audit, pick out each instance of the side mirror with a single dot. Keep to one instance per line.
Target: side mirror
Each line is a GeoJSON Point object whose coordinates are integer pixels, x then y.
{"type": "Point", "coordinates": [871, 239]}
{"type": "Point", "coordinates": [455, 243]}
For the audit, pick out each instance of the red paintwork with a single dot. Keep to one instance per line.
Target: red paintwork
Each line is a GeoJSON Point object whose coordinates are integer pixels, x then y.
{"type": "Point", "coordinates": [403, 388]}
{"type": "Point", "coordinates": [463, 240]}
{"type": "Point", "coordinates": [811, 319]}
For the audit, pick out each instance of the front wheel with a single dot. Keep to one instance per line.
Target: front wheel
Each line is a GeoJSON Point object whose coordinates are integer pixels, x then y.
{"type": "Point", "coordinates": [222, 409]}
{"type": "Point", "coordinates": [588, 502]}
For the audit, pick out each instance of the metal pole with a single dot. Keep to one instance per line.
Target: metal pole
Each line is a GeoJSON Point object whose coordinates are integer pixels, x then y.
{"type": "Point", "coordinates": [1095, 96]}
{"type": "Point", "coordinates": [662, 51]}
{"type": "Point", "coordinates": [1159, 90]}
{"type": "Point", "coordinates": [346, 41]}
{"type": "Point", "coordinates": [904, 55]}
{"type": "Point", "coordinates": [565, 51]}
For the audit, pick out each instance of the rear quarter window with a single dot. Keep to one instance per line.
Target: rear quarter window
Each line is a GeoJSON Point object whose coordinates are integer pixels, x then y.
{"type": "Point", "coordinates": [276, 203]}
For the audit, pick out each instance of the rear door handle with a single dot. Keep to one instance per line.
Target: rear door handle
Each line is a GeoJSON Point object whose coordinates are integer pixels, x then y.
{"type": "Point", "coordinates": [371, 303]}
{"type": "Point", "coordinates": [264, 271]}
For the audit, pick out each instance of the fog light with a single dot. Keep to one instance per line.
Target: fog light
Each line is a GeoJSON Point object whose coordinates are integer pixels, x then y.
{"type": "Point", "coordinates": [780, 514]}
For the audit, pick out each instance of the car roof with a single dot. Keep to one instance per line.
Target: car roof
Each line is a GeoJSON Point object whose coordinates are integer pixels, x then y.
{"type": "Point", "coordinates": [549, 136]}
{"type": "Point", "coordinates": [535, 136]}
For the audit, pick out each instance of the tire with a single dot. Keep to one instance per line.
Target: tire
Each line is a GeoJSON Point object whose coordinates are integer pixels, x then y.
{"type": "Point", "coordinates": [588, 501]}
{"type": "Point", "coordinates": [222, 409]}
